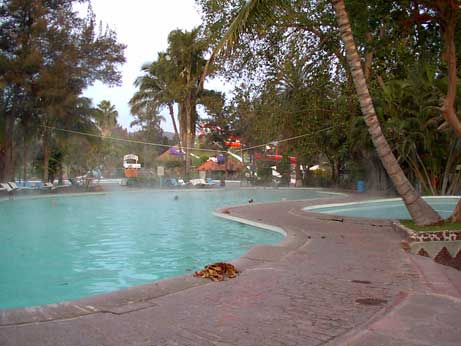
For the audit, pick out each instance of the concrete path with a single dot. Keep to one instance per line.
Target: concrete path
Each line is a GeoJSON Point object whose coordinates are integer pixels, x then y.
{"type": "Point", "coordinates": [333, 281]}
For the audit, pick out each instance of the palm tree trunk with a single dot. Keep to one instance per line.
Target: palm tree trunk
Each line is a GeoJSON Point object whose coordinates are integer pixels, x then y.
{"type": "Point", "coordinates": [182, 130]}
{"type": "Point", "coordinates": [25, 157]}
{"type": "Point", "coordinates": [189, 139]}
{"type": "Point", "coordinates": [46, 155]}
{"type": "Point", "coordinates": [173, 120]}
{"type": "Point", "coordinates": [420, 211]}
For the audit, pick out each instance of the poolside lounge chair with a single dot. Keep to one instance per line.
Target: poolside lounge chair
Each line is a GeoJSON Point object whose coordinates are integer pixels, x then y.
{"type": "Point", "coordinates": [5, 187]}
{"type": "Point", "coordinates": [47, 186]}
{"type": "Point", "coordinates": [14, 186]}
{"type": "Point", "coordinates": [200, 183]}
{"type": "Point", "coordinates": [181, 182]}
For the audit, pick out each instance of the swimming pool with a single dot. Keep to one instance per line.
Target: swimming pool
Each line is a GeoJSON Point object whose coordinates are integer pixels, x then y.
{"type": "Point", "coordinates": [62, 248]}
{"type": "Point", "coordinates": [391, 208]}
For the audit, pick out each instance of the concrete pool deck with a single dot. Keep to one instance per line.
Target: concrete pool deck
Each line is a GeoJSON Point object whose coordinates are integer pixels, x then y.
{"type": "Point", "coordinates": [332, 281]}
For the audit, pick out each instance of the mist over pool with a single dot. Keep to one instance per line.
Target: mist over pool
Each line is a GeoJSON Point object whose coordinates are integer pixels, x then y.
{"type": "Point", "coordinates": [61, 248]}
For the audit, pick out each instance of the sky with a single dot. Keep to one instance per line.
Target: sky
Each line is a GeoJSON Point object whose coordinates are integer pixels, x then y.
{"type": "Point", "coordinates": [142, 25]}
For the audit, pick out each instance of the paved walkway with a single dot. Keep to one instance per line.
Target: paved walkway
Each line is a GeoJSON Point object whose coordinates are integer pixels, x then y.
{"type": "Point", "coordinates": [332, 282]}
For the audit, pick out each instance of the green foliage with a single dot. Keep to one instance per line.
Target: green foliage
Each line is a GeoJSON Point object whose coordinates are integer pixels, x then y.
{"type": "Point", "coordinates": [286, 94]}
{"type": "Point", "coordinates": [106, 116]}
{"type": "Point", "coordinates": [446, 226]}
{"type": "Point", "coordinates": [283, 167]}
{"type": "Point", "coordinates": [173, 164]}
{"type": "Point", "coordinates": [48, 56]}
{"type": "Point", "coordinates": [143, 181]}
{"type": "Point", "coordinates": [173, 79]}
{"type": "Point", "coordinates": [264, 173]}
{"type": "Point", "coordinates": [203, 158]}
{"type": "Point", "coordinates": [409, 109]}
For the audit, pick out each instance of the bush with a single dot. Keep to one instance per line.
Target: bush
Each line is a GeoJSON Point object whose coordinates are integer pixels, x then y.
{"type": "Point", "coordinates": [143, 181]}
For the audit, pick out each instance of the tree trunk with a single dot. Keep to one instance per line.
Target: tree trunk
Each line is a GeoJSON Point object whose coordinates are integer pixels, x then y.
{"type": "Point", "coordinates": [46, 155]}
{"type": "Point", "coordinates": [449, 34]}
{"type": "Point", "coordinates": [6, 149]}
{"type": "Point", "coordinates": [25, 156]}
{"type": "Point", "coordinates": [182, 129]}
{"type": "Point", "coordinates": [420, 211]}
{"type": "Point", "coordinates": [61, 173]}
{"type": "Point", "coordinates": [448, 109]}
{"type": "Point", "coordinates": [173, 120]}
{"type": "Point", "coordinates": [189, 139]}
{"type": "Point", "coordinates": [299, 180]}
{"type": "Point", "coordinates": [456, 217]}
{"type": "Point", "coordinates": [368, 56]}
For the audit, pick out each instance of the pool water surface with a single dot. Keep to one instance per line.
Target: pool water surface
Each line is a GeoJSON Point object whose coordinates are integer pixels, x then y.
{"type": "Point", "coordinates": [392, 208]}
{"type": "Point", "coordinates": [63, 248]}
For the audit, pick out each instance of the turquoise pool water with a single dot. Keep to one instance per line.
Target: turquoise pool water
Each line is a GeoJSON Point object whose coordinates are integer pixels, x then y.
{"type": "Point", "coordinates": [386, 209]}
{"type": "Point", "coordinates": [63, 248]}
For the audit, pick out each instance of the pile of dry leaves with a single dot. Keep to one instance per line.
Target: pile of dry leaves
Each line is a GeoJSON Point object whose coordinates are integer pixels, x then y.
{"type": "Point", "coordinates": [218, 271]}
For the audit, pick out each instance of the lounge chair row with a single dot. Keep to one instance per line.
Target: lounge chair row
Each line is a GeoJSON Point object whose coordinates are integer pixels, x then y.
{"type": "Point", "coordinates": [172, 182]}
{"type": "Point", "coordinates": [202, 183]}
{"type": "Point", "coordinates": [12, 187]}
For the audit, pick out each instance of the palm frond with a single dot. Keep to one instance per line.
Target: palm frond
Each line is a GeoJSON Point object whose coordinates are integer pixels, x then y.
{"type": "Point", "coordinates": [252, 11]}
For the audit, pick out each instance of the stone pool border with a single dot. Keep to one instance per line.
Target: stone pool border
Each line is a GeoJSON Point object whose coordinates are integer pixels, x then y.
{"type": "Point", "coordinates": [142, 296]}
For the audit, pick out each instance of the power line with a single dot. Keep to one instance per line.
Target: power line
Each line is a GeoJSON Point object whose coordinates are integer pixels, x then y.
{"type": "Point", "coordinates": [172, 146]}
{"type": "Point", "coordinates": [126, 140]}
{"type": "Point", "coordinates": [288, 139]}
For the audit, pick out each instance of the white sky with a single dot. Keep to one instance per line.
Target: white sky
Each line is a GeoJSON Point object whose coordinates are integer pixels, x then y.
{"type": "Point", "coordinates": [142, 25]}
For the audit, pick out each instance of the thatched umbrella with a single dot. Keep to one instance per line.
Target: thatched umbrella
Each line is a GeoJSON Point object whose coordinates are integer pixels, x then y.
{"type": "Point", "coordinates": [211, 166]}
{"type": "Point", "coordinates": [171, 154]}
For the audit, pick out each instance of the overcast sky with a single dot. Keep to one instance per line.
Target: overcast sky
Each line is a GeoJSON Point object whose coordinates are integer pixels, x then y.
{"type": "Point", "coordinates": [143, 25]}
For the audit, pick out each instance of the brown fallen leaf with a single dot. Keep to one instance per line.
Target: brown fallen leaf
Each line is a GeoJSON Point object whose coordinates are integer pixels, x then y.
{"type": "Point", "coordinates": [218, 271]}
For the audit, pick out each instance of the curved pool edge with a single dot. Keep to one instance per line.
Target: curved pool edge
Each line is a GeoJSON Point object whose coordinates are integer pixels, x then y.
{"type": "Point", "coordinates": [293, 239]}
{"type": "Point", "coordinates": [313, 210]}
{"type": "Point", "coordinates": [140, 297]}
{"type": "Point", "coordinates": [381, 200]}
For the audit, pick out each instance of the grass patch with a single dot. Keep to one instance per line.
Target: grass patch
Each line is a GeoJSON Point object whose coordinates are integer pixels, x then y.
{"type": "Point", "coordinates": [446, 226]}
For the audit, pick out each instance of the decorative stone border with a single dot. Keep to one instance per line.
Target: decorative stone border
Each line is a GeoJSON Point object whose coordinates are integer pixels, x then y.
{"type": "Point", "coordinates": [443, 247]}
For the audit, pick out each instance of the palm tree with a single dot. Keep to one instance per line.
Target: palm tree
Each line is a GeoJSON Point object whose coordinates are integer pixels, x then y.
{"type": "Point", "coordinates": [154, 90]}
{"type": "Point", "coordinates": [106, 116]}
{"type": "Point", "coordinates": [252, 10]}
{"type": "Point", "coordinates": [174, 79]}
{"type": "Point", "coordinates": [186, 51]}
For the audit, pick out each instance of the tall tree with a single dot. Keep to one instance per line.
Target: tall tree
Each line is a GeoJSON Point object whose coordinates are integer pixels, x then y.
{"type": "Point", "coordinates": [106, 116]}
{"type": "Point", "coordinates": [173, 79]}
{"type": "Point", "coordinates": [446, 14]}
{"type": "Point", "coordinates": [255, 10]}
{"type": "Point", "coordinates": [155, 90]}
{"type": "Point", "coordinates": [48, 55]}
{"type": "Point", "coordinates": [186, 49]}
{"type": "Point", "coordinates": [420, 211]}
